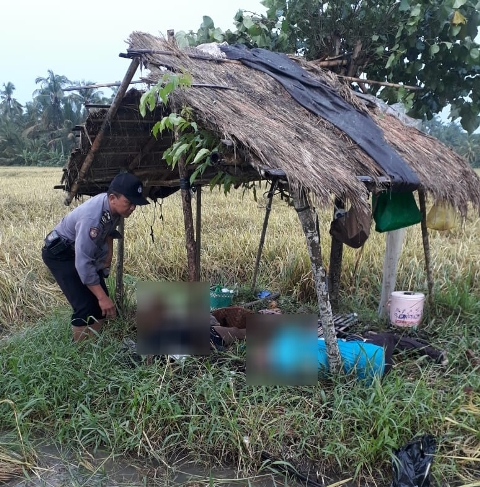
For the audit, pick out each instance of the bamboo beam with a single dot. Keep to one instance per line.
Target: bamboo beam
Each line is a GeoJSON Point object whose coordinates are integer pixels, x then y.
{"type": "Point", "coordinates": [99, 85]}
{"type": "Point", "coordinates": [128, 152]}
{"type": "Point", "coordinates": [271, 192]}
{"type": "Point", "coordinates": [329, 62]}
{"type": "Point", "coordinates": [106, 122]}
{"type": "Point", "coordinates": [426, 246]}
{"type": "Point", "coordinates": [381, 83]}
{"type": "Point", "coordinates": [145, 81]}
{"type": "Point", "coordinates": [123, 121]}
{"type": "Point", "coordinates": [119, 290]}
{"type": "Point", "coordinates": [96, 105]}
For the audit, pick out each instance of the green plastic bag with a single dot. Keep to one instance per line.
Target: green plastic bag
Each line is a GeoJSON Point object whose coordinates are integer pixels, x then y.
{"type": "Point", "coordinates": [392, 211]}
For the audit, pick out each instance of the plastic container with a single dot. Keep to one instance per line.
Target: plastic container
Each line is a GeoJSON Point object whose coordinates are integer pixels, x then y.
{"type": "Point", "coordinates": [406, 308]}
{"type": "Point", "coordinates": [220, 298]}
{"type": "Point", "coordinates": [365, 359]}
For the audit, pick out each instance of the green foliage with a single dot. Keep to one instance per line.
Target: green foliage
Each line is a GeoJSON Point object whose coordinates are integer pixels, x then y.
{"type": "Point", "coordinates": [425, 43]}
{"type": "Point", "coordinates": [40, 133]}
{"type": "Point", "coordinates": [193, 144]}
{"type": "Point", "coordinates": [454, 136]}
{"type": "Point", "coordinates": [161, 91]}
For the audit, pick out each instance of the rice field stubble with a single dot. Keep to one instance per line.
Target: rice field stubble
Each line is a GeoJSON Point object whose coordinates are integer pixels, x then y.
{"type": "Point", "coordinates": [90, 400]}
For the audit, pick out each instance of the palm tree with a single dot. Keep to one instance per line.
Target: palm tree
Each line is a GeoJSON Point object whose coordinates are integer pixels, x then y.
{"type": "Point", "coordinates": [76, 111]}
{"type": "Point", "coordinates": [10, 107]}
{"type": "Point", "coordinates": [11, 142]}
{"type": "Point", "coordinates": [471, 151]}
{"type": "Point", "coordinates": [50, 98]}
{"type": "Point", "coordinates": [89, 95]}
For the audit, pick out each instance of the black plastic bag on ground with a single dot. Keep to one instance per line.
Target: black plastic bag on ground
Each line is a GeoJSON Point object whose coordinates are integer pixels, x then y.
{"type": "Point", "coordinates": [412, 462]}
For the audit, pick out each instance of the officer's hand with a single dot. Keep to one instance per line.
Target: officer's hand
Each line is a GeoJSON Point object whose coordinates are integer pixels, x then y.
{"type": "Point", "coordinates": [107, 307]}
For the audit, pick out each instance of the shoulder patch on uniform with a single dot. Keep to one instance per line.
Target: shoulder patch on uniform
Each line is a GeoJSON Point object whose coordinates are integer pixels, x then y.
{"type": "Point", "coordinates": [93, 232]}
{"type": "Point", "coordinates": [106, 217]}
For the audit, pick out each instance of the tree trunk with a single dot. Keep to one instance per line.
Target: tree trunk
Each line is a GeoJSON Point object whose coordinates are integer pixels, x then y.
{"type": "Point", "coordinates": [309, 226]}
{"type": "Point", "coordinates": [190, 244]}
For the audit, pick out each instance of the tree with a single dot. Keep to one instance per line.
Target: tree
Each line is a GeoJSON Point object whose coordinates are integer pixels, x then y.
{"type": "Point", "coordinates": [425, 43]}
{"type": "Point", "coordinates": [10, 143]}
{"type": "Point", "coordinates": [50, 99]}
{"type": "Point", "coordinates": [10, 107]}
{"type": "Point", "coordinates": [454, 136]}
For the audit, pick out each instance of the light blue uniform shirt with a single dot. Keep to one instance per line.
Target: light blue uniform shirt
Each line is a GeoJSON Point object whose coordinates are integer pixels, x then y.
{"type": "Point", "coordinates": [87, 228]}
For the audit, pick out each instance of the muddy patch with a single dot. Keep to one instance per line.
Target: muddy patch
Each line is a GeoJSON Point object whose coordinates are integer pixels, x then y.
{"type": "Point", "coordinates": [57, 468]}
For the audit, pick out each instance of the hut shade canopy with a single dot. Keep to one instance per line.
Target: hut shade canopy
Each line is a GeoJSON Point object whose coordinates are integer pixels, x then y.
{"type": "Point", "coordinates": [267, 128]}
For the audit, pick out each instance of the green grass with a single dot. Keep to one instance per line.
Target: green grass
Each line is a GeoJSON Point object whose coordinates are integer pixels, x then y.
{"type": "Point", "coordinates": [87, 399]}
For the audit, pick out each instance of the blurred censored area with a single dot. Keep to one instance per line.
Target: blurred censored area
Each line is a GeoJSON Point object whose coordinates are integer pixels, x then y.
{"type": "Point", "coordinates": [282, 350]}
{"type": "Point", "coordinates": [173, 318]}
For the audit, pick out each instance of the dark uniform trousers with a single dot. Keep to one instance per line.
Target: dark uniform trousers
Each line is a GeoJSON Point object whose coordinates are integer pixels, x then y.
{"type": "Point", "coordinates": [86, 309]}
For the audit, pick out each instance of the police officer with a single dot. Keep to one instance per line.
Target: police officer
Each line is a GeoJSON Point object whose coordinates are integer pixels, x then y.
{"type": "Point", "coordinates": [79, 252]}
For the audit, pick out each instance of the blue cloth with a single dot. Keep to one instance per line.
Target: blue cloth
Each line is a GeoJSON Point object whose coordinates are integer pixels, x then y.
{"type": "Point", "coordinates": [366, 359]}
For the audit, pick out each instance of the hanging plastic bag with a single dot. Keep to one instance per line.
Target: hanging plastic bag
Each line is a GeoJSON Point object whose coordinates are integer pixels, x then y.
{"type": "Point", "coordinates": [352, 227]}
{"type": "Point", "coordinates": [442, 216]}
{"type": "Point", "coordinates": [412, 463]}
{"type": "Point", "coordinates": [392, 211]}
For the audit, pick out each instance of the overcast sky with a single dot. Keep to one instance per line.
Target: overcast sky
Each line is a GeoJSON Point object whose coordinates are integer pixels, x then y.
{"type": "Point", "coordinates": [82, 39]}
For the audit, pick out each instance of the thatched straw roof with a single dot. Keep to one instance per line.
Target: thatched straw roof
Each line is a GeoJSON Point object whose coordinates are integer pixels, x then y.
{"type": "Point", "coordinates": [268, 130]}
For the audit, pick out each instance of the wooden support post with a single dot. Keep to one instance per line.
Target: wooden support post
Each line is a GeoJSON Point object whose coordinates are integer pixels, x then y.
{"type": "Point", "coordinates": [335, 268]}
{"type": "Point", "coordinates": [390, 265]}
{"type": "Point", "coordinates": [187, 216]}
{"type": "Point", "coordinates": [112, 111]}
{"type": "Point", "coordinates": [119, 291]}
{"type": "Point", "coordinates": [268, 209]}
{"type": "Point", "coordinates": [188, 220]}
{"type": "Point", "coordinates": [309, 226]}
{"type": "Point", "coordinates": [426, 246]}
{"type": "Point", "coordinates": [198, 233]}
{"type": "Point", "coordinates": [190, 244]}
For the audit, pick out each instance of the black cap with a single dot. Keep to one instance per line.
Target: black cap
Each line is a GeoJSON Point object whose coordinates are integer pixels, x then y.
{"type": "Point", "coordinates": [130, 186]}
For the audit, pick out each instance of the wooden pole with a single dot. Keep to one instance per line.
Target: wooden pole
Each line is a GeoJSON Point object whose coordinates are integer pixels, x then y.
{"type": "Point", "coordinates": [119, 291]}
{"type": "Point", "coordinates": [264, 231]}
{"type": "Point", "coordinates": [336, 257]}
{"type": "Point", "coordinates": [390, 265]}
{"type": "Point", "coordinates": [426, 246]}
{"type": "Point", "coordinates": [381, 83]}
{"type": "Point", "coordinates": [99, 85]}
{"type": "Point", "coordinates": [190, 244]}
{"type": "Point", "coordinates": [307, 219]}
{"type": "Point", "coordinates": [112, 111]}
{"type": "Point", "coordinates": [198, 233]}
